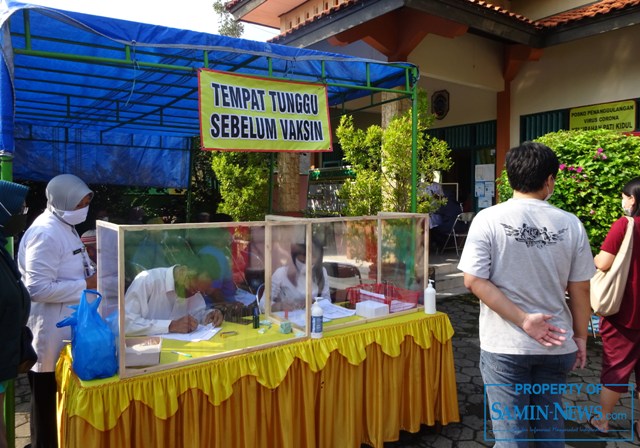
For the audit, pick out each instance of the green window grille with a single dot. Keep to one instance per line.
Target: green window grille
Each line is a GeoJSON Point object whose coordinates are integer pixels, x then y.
{"type": "Point", "coordinates": [468, 136]}
{"type": "Point", "coordinates": [537, 125]}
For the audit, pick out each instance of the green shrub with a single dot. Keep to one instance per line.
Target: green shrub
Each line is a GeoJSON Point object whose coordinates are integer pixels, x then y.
{"type": "Point", "coordinates": [594, 166]}
{"type": "Point", "coordinates": [244, 184]}
{"type": "Point", "coordinates": [381, 161]}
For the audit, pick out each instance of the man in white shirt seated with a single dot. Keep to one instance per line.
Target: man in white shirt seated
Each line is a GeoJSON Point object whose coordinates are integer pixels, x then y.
{"type": "Point", "coordinates": [168, 300]}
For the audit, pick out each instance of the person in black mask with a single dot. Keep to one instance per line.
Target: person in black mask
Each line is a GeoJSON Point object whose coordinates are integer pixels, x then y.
{"type": "Point", "coordinates": [14, 298]}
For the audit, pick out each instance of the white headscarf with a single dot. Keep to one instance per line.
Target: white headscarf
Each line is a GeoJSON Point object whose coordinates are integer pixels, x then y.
{"type": "Point", "coordinates": [65, 191]}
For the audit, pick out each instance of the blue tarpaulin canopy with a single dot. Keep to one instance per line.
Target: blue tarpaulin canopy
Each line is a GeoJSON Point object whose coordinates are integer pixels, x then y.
{"type": "Point", "coordinates": [116, 102]}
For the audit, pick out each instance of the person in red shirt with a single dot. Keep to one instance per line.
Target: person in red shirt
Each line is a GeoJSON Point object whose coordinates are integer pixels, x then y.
{"type": "Point", "coordinates": [621, 331]}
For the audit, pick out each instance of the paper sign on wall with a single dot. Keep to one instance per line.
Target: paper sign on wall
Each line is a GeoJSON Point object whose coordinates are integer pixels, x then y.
{"type": "Point", "coordinates": [246, 113]}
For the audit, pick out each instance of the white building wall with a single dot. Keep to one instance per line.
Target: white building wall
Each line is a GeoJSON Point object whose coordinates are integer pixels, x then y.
{"type": "Point", "coordinates": [598, 69]}
{"type": "Point", "coordinates": [468, 60]}
{"type": "Point", "coordinates": [466, 104]}
{"type": "Point", "coordinates": [594, 70]}
{"type": "Point", "coordinates": [469, 68]}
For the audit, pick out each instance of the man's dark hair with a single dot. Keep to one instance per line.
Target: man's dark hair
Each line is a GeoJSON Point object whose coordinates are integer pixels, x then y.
{"type": "Point", "coordinates": [529, 165]}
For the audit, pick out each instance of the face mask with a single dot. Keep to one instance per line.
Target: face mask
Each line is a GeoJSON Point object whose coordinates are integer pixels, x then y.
{"type": "Point", "coordinates": [15, 225]}
{"type": "Point", "coordinates": [300, 265]}
{"type": "Point", "coordinates": [74, 217]}
{"type": "Point", "coordinates": [627, 211]}
{"type": "Point", "coordinates": [549, 194]}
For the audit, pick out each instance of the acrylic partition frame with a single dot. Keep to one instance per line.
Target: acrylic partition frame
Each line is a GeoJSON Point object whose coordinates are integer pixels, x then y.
{"type": "Point", "coordinates": [351, 250]}
{"type": "Point", "coordinates": [135, 248]}
{"type": "Point", "coordinates": [383, 253]}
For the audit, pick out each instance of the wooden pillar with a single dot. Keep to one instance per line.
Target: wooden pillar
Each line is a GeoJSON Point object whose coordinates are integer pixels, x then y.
{"type": "Point", "coordinates": [514, 57]}
{"type": "Point", "coordinates": [503, 124]}
{"type": "Point", "coordinates": [393, 109]}
{"type": "Point", "coordinates": [288, 183]}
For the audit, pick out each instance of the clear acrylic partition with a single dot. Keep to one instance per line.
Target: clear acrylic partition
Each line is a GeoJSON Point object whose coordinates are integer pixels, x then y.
{"type": "Point", "coordinates": [237, 268]}
{"type": "Point", "coordinates": [207, 267]}
{"type": "Point", "coordinates": [287, 296]}
{"type": "Point", "coordinates": [107, 261]}
{"type": "Point", "coordinates": [349, 253]}
{"type": "Point", "coordinates": [403, 258]}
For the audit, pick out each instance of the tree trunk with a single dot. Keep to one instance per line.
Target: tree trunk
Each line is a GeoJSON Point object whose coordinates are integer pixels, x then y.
{"type": "Point", "coordinates": [390, 110]}
{"type": "Point", "coordinates": [288, 182]}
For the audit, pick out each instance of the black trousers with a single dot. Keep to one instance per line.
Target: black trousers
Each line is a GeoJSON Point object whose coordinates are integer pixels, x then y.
{"type": "Point", "coordinates": [44, 429]}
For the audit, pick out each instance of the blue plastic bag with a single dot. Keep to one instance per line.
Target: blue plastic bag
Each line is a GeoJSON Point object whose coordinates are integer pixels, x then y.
{"type": "Point", "coordinates": [93, 345]}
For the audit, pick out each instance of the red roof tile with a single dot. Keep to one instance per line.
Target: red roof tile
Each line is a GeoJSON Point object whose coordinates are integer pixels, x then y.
{"type": "Point", "coordinates": [600, 8]}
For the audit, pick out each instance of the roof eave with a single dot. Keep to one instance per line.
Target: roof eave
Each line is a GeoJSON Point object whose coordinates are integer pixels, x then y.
{"type": "Point", "coordinates": [487, 23]}
{"type": "Point", "coordinates": [584, 28]}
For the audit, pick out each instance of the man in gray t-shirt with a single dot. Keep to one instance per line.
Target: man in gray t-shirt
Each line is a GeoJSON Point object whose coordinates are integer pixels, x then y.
{"type": "Point", "coordinates": [519, 259]}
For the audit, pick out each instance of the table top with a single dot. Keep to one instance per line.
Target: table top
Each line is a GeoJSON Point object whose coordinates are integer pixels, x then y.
{"type": "Point", "coordinates": [100, 402]}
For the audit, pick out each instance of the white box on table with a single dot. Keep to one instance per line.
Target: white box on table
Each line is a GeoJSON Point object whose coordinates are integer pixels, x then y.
{"type": "Point", "coordinates": [371, 308]}
{"type": "Point", "coordinates": [142, 351]}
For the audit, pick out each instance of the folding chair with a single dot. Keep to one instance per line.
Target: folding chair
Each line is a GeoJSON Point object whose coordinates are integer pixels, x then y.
{"type": "Point", "coordinates": [341, 276]}
{"type": "Point", "coordinates": [458, 233]}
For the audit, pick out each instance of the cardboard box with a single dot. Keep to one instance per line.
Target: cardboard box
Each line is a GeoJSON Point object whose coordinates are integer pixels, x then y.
{"type": "Point", "coordinates": [371, 308]}
{"type": "Point", "coordinates": [143, 351]}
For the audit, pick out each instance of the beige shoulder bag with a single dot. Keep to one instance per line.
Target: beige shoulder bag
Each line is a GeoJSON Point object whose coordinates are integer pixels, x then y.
{"type": "Point", "coordinates": [607, 287]}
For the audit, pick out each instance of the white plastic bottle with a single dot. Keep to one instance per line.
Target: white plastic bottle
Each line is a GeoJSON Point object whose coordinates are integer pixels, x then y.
{"type": "Point", "coordinates": [316, 319]}
{"type": "Point", "coordinates": [430, 299]}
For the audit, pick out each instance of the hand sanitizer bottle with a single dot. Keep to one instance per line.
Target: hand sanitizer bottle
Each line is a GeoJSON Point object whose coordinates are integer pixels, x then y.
{"type": "Point", "coordinates": [316, 319]}
{"type": "Point", "coordinates": [430, 299]}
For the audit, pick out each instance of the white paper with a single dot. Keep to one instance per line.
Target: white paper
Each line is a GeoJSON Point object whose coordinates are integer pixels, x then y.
{"type": "Point", "coordinates": [489, 189]}
{"type": "Point", "coordinates": [332, 311]}
{"type": "Point", "coordinates": [484, 202]}
{"type": "Point", "coordinates": [485, 172]}
{"type": "Point", "coordinates": [366, 293]}
{"type": "Point", "coordinates": [245, 297]}
{"type": "Point", "coordinates": [202, 333]}
{"type": "Point", "coordinates": [399, 305]}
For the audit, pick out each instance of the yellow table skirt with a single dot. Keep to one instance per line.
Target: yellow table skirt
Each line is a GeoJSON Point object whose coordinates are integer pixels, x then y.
{"type": "Point", "coordinates": [356, 385]}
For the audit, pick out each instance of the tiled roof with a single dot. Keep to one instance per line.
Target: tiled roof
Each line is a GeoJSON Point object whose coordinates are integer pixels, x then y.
{"type": "Point", "coordinates": [599, 8]}
{"type": "Point", "coordinates": [231, 4]}
{"type": "Point", "coordinates": [501, 10]}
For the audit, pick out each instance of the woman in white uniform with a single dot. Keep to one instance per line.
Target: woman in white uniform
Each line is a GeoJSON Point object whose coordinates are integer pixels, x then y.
{"type": "Point", "coordinates": [289, 282]}
{"type": "Point", "coordinates": [55, 269]}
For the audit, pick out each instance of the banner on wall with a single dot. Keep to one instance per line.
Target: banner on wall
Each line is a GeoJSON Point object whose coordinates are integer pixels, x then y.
{"type": "Point", "coordinates": [246, 113]}
{"type": "Point", "coordinates": [619, 116]}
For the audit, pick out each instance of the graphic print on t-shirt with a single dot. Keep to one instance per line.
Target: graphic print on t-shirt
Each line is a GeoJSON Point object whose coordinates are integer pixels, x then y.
{"type": "Point", "coordinates": [533, 236]}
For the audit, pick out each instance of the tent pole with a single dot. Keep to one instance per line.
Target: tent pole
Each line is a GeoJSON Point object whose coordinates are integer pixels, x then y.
{"type": "Point", "coordinates": [6, 166]}
{"type": "Point", "coordinates": [6, 173]}
{"type": "Point", "coordinates": [414, 144]}
{"type": "Point", "coordinates": [192, 157]}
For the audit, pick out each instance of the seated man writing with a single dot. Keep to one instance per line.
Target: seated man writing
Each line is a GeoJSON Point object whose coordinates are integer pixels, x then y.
{"type": "Point", "coordinates": [168, 300]}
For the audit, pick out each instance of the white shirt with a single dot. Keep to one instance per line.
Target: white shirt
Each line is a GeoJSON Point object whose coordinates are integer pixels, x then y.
{"type": "Point", "coordinates": [53, 263]}
{"type": "Point", "coordinates": [151, 303]}
{"type": "Point", "coordinates": [292, 296]}
{"type": "Point", "coordinates": [530, 250]}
